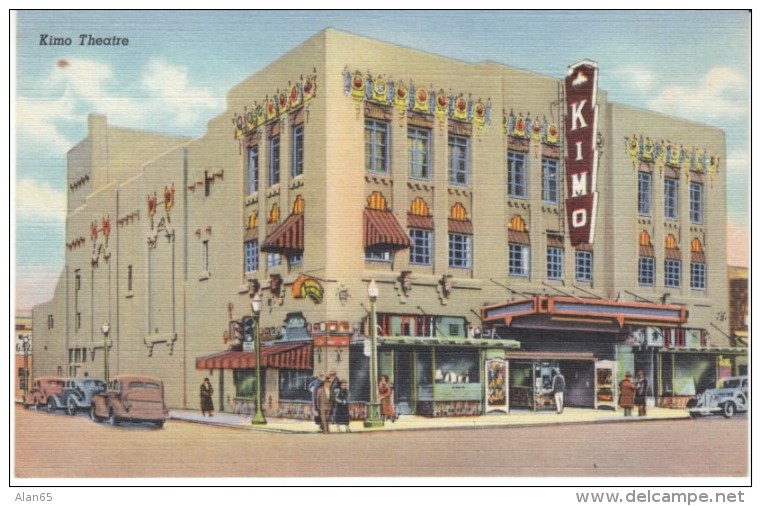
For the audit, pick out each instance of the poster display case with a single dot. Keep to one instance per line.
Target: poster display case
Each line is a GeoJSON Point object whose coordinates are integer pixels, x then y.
{"type": "Point", "coordinates": [496, 391]}
{"type": "Point", "coordinates": [605, 384]}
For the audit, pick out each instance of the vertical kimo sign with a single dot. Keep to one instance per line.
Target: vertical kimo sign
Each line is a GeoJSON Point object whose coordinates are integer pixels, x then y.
{"type": "Point", "coordinates": [581, 153]}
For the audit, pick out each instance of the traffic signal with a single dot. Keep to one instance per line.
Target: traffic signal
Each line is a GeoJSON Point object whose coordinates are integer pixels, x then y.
{"type": "Point", "coordinates": [248, 329]}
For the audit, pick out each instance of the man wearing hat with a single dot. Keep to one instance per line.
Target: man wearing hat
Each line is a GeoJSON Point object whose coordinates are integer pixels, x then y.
{"type": "Point", "coordinates": [626, 391]}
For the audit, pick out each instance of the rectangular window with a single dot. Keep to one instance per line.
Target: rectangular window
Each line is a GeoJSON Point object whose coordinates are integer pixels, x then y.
{"type": "Point", "coordinates": [518, 259]}
{"type": "Point", "coordinates": [294, 385]}
{"type": "Point", "coordinates": [273, 260]}
{"type": "Point", "coordinates": [297, 156]}
{"type": "Point", "coordinates": [419, 153]}
{"type": "Point", "coordinates": [295, 259]}
{"type": "Point", "coordinates": [696, 203]}
{"type": "Point", "coordinates": [77, 280]}
{"type": "Point", "coordinates": [461, 251]}
{"type": "Point", "coordinates": [420, 251]}
{"type": "Point", "coordinates": [555, 263]}
{"type": "Point", "coordinates": [516, 175]}
{"type": "Point", "coordinates": [274, 161]}
{"type": "Point", "coordinates": [377, 255]}
{"type": "Point", "coordinates": [205, 256]}
{"type": "Point", "coordinates": [129, 278]}
{"type": "Point", "coordinates": [671, 199]}
{"type": "Point", "coordinates": [697, 276]}
{"type": "Point", "coordinates": [458, 160]}
{"type": "Point", "coordinates": [253, 170]}
{"type": "Point", "coordinates": [673, 273]}
{"type": "Point", "coordinates": [78, 321]}
{"type": "Point", "coordinates": [376, 146]}
{"type": "Point", "coordinates": [50, 321]}
{"type": "Point", "coordinates": [646, 271]}
{"type": "Point", "coordinates": [584, 266]}
{"type": "Point", "coordinates": [251, 256]}
{"type": "Point", "coordinates": [550, 180]}
{"type": "Point", "coordinates": [644, 193]}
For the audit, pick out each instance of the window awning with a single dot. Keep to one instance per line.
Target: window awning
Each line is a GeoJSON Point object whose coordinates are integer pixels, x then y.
{"type": "Point", "coordinates": [517, 237]}
{"type": "Point", "coordinates": [286, 238]}
{"type": "Point", "coordinates": [382, 230]}
{"type": "Point", "coordinates": [697, 257]}
{"type": "Point", "coordinates": [673, 254]}
{"type": "Point", "coordinates": [418, 221]}
{"type": "Point", "coordinates": [464, 227]}
{"type": "Point", "coordinates": [646, 251]}
{"type": "Point", "coordinates": [281, 356]}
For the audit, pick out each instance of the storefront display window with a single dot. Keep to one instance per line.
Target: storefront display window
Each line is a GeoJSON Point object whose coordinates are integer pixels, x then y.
{"type": "Point", "coordinates": [245, 383]}
{"type": "Point", "coordinates": [293, 385]}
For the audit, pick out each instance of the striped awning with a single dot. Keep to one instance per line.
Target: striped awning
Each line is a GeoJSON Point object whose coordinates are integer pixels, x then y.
{"type": "Point", "coordinates": [418, 221]}
{"type": "Point", "coordinates": [697, 257]}
{"type": "Point", "coordinates": [288, 237]}
{"type": "Point", "coordinates": [673, 254]}
{"type": "Point", "coordinates": [464, 227]}
{"type": "Point", "coordinates": [554, 240]}
{"type": "Point", "coordinates": [646, 251]}
{"type": "Point", "coordinates": [517, 237]}
{"type": "Point", "coordinates": [382, 230]}
{"type": "Point", "coordinates": [281, 356]}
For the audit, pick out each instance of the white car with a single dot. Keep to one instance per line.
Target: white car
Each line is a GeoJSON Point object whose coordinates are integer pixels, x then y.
{"type": "Point", "coordinates": [730, 397]}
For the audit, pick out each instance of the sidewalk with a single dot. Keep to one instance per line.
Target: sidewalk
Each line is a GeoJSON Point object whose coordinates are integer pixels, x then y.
{"type": "Point", "coordinates": [516, 418]}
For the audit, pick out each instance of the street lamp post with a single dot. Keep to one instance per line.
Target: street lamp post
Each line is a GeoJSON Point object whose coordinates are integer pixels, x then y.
{"type": "Point", "coordinates": [373, 418]}
{"type": "Point", "coordinates": [25, 346]}
{"type": "Point", "coordinates": [256, 307]}
{"type": "Point", "coordinates": [105, 328]}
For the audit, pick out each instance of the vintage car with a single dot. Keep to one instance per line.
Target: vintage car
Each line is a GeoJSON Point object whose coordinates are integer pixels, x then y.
{"type": "Point", "coordinates": [45, 393]}
{"type": "Point", "coordinates": [78, 393]}
{"type": "Point", "coordinates": [730, 397]}
{"type": "Point", "coordinates": [131, 399]}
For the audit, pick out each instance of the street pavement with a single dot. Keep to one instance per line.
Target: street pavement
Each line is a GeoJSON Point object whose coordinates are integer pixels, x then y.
{"type": "Point", "coordinates": [516, 418]}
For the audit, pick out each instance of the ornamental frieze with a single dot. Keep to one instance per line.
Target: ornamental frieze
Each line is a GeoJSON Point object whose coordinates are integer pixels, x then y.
{"type": "Point", "coordinates": [665, 153]}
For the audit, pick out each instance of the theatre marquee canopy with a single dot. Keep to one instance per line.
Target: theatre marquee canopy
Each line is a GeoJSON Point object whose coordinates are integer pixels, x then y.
{"type": "Point", "coordinates": [589, 311]}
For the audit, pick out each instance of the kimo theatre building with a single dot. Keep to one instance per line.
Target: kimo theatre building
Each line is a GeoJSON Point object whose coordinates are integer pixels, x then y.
{"type": "Point", "coordinates": [593, 342]}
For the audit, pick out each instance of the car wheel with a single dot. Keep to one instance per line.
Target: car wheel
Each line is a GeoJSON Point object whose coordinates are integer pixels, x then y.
{"type": "Point", "coordinates": [93, 416]}
{"type": "Point", "coordinates": [71, 407]}
{"type": "Point", "coordinates": [729, 409]}
{"type": "Point", "coordinates": [695, 414]}
{"type": "Point", "coordinates": [112, 420]}
{"type": "Point", "coordinates": [159, 423]}
{"type": "Point", "coordinates": [51, 406]}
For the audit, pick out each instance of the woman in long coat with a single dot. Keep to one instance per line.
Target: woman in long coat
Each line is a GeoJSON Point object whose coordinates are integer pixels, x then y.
{"type": "Point", "coordinates": [640, 396]}
{"type": "Point", "coordinates": [626, 394]}
{"type": "Point", "coordinates": [385, 394]}
{"type": "Point", "coordinates": [341, 407]}
{"type": "Point", "coordinates": [207, 404]}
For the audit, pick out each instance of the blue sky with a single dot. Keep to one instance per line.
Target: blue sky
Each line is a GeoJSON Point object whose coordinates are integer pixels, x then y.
{"type": "Point", "coordinates": [173, 76]}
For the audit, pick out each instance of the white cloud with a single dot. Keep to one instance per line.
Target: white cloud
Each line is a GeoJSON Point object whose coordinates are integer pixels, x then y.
{"type": "Point", "coordinates": [721, 93]}
{"type": "Point", "coordinates": [38, 123]}
{"type": "Point", "coordinates": [35, 284]}
{"type": "Point", "coordinates": [36, 200]}
{"type": "Point", "coordinates": [638, 78]}
{"type": "Point", "coordinates": [171, 88]}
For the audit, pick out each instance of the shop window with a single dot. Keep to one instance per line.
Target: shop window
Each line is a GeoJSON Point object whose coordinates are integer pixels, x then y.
{"type": "Point", "coordinates": [377, 255]}
{"type": "Point", "coordinates": [555, 263]}
{"type": "Point", "coordinates": [646, 271]}
{"type": "Point", "coordinates": [671, 199]}
{"type": "Point", "coordinates": [516, 175]}
{"type": "Point", "coordinates": [458, 160]}
{"type": "Point", "coordinates": [456, 366]}
{"type": "Point", "coordinates": [293, 385]}
{"type": "Point", "coordinates": [419, 153]}
{"type": "Point", "coordinates": [253, 169]}
{"type": "Point", "coordinates": [420, 250]}
{"type": "Point", "coordinates": [518, 259]}
{"type": "Point", "coordinates": [584, 266]}
{"type": "Point", "coordinates": [376, 146]}
{"type": "Point", "coordinates": [644, 193]}
{"type": "Point", "coordinates": [673, 273]}
{"type": "Point", "coordinates": [251, 256]}
{"type": "Point", "coordinates": [295, 259]}
{"type": "Point", "coordinates": [245, 383]}
{"type": "Point", "coordinates": [549, 180]}
{"type": "Point", "coordinates": [274, 161]}
{"type": "Point", "coordinates": [297, 156]}
{"type": "Point", "coordinates": [461, 251]}
{"type": "Point", "coordinates": [696, 203]}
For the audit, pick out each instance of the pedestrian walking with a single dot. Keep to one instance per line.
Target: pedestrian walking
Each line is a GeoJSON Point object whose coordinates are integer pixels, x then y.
{"type": "Point", "coordinates": [640, 394]}
{"type": "Point", "coordinates": [626, 390]}
{"type": "Point", "coordinates": [207, 403]}
{"type": "Point", "coordinates": [341, 407]}
{"type": "Point", "coordinates": [314, 386]}
{"type": "Point", "coordinates": [324, 406]}
{"type": "Point", "coordinates": [386, 397]}
{"type": "Point", "coordinates": [558, 388]}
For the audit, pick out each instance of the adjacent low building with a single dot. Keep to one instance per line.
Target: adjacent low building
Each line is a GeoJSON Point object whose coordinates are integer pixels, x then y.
{"type": "Point", "coordinates": [512, 223]}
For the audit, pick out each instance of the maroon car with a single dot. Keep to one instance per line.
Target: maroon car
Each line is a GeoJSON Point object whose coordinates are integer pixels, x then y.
{"type": "Point", "coordinates": [131, 399]}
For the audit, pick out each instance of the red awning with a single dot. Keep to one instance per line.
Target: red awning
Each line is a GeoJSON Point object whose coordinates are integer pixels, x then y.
{"type": "Point", "coordinates": [697, 257]}
{"type": "Point", "coordinates": [281, 356]}
{"type": "Point", "coordinates": [464, 227]}
{"type": "Point", "coordinates": [417, 221]}
{"type": "Point", "coordinates": [646, 251]}
{"type": "Point", "coordinates": [286, 238]}
{"type": "Point", "coordinates": [673, 254]}
{"type": "Point", "coordinates": [516, 237]}
{"type": "Point", "coordinates": [381, 230]}
{"type": "Point", "coordinates": [554, 240]}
